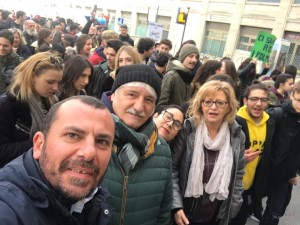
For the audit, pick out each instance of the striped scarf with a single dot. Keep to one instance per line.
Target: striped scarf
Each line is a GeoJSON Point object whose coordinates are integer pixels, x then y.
{"type": "Point", "coordinates": [134, 145]}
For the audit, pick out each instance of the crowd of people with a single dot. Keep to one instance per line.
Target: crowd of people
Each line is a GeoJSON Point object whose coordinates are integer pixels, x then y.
{"type": "Point", "coordinates": [96, 128]}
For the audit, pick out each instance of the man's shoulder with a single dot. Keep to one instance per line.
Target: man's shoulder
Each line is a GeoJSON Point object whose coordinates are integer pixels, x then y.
{"type": "Point", "coordinates": [101, 68]}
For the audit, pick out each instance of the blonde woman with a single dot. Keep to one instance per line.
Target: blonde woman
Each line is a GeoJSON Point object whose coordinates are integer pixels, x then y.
{"type": "Point", "coordinates": [126, 55]}
{"type": "Point", "coordinates": [208, 159]}
{"type": "Point", "coordinates": [28, 98]}
{"type": "Point", "coordinates": [20, 44]}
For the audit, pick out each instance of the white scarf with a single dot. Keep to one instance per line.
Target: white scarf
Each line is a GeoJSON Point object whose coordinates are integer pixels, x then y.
{"type": "Point", "coordinates": [218, 184]}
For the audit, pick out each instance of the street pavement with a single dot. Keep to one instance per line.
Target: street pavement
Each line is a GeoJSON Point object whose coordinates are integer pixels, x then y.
{"type": "Point", "coordinates": [292, 213]}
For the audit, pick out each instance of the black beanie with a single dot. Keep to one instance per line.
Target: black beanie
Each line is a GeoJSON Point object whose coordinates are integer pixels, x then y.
{"type": "Point", "coordinates": [137, 73]}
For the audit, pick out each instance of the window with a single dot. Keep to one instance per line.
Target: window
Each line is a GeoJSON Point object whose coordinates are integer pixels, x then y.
{"type": "Point", "coordinates": [215, 39]}
{"type": "Point", "coordinates": [246, 43]}
{"type": "Point", "coordinates": [297, 1]}
{"type": "Point", "coordinates": [142, 24]}
{"type": "Point", "coordinates": [248, 36]}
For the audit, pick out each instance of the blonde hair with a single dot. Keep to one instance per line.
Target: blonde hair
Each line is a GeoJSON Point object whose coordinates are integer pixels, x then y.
{"type": "Point", "coordinates": [209, 89]}
{"type": "Point", "coordinates": [109, 34]}
{"type": "Point", "coordinates": [21, 83]}
{"type": "Point", "coordinates": [132, 51]}
{"type": "Point", "coordinates": [19, 32]}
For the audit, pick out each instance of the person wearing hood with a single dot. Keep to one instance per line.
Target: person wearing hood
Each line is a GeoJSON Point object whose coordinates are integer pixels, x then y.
{"type": "Point", "coordinates": [176, 85]}
{"type": "Point", "coordinates": [258, 128]}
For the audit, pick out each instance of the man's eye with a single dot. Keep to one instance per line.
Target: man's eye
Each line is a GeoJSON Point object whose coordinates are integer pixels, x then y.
{"type": "Point", "coordinates": [150, 100]}
{"type": "Point", "coordinates": [72, 135]}
{"type": "Point", "coordinates": [102, 142]}
{"type": "Point", "coordinates": [131, 94]}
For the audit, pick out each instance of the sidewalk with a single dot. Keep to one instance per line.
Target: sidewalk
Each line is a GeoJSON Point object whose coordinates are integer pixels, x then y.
{"type": "Point", "coordinates": [292, 214]}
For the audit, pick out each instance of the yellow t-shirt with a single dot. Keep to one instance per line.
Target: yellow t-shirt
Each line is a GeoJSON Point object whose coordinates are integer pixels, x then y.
{"type": "Point", "coordinates": [257, 138]}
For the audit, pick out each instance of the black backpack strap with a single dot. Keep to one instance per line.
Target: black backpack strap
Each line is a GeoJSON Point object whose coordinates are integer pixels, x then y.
{"type": "Point", "coordinates": [276, 113]}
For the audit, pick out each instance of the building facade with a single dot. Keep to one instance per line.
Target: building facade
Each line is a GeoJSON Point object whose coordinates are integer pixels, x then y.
{"type": "Point", "coordinates": [219, 27]}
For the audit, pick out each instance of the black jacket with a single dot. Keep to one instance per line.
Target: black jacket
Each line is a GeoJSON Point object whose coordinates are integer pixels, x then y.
{"type": "Point", "coordinates": [26, 199]}
{"type": "Point", "coordinates": [97, 79]}
{"type": "Point", "coordinates": [15, 124]}
{"type": "Point", "coordinates": [285, 154]}
{"type": "Point", "coordinates": [127, 39]}
{"type": "Point", "coordinates": [259, 187]}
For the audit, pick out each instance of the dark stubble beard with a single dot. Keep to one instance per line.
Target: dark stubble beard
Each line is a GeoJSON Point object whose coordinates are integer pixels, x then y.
{"type": "Point", "coordinates": [59, 185]}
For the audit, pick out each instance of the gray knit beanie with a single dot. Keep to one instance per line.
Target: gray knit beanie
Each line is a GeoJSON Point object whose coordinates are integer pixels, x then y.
{"type": "Point", "coordinates": [186, 50]}
{"type": "Point", "coordinates": [137, 73]}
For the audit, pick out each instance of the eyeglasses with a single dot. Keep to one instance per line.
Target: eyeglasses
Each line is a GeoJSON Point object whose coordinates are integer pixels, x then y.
{"type": "Point", "coordinates": [168, 117]}
{"type": "Point", "coordinates": [256, 99]}
{"type": "Point", "coordinates": [57, 61]}
{"type": "Point", "coordinates": [219, 104]}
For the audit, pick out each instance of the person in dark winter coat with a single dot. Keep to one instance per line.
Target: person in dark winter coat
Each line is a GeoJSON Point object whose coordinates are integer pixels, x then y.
{"type": "Point", "coordinates": [124, 36]}
{"type": "Point", "coordinates": [49, 186]}
{"type": "Point", "coordinates": [176, 85]}
{"type": "Point", "coordinates": [247, 73]}
{"type": "Point", "coordinates": [285, 157]}
{"type": "Point", "coordinates": [9, 60]}
{"type": "Point", "coordinates": [258, 128]}
{"type": "Point", "coordinates": [101, 72]}
{"type": "Point", "coordinates": [19, 44]}
{"type": "Point", "coordinates": [30, 34]}
{"type": "Point", "coordinates": [139, 173]}
{"type": "Point", "coordinates": [27, 100]}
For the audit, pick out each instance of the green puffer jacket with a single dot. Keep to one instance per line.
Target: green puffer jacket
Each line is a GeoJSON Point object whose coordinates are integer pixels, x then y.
{"type": "Point", "coordinates": [144, 196]}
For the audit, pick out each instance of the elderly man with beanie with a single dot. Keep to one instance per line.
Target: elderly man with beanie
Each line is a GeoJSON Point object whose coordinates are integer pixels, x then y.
{"type": "Point", "coordinates": [139, 173]}
{"type": "Point", "coordinates": [176, 85]}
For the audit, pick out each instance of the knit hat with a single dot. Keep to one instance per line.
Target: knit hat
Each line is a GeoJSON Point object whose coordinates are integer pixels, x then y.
{"type": "Point", "coordinates": [186, 50]}
{"type": "Point", "coordinates": [137, 73]}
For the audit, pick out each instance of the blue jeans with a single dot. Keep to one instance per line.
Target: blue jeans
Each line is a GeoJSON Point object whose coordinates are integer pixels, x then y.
{"type": "Point", "coordinates": [279, 196]}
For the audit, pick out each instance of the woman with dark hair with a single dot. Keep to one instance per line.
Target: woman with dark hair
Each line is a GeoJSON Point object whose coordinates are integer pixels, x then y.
{"type": "Point", "coordinates": [44, 38]}
{"type": "Point", "coordinates": [282, 86]}
{"type": "Point", "coordinates": [77, 71]}
{"type": "Point", "coordinates": [229, 68]}
{"type": "Point", "coordinates": [84, 44]}
{"type": "Point", "coordinates": [169, 121]}
{"type": "Point", "coordinates": [246, 73]}
{"type": "Point", "coordinates": [207, 69]}
{"type": "Point", "coordinates": [57, 38]}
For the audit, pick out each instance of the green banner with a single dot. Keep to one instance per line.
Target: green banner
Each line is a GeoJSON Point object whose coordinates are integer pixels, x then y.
{"type": "Point", "coordinates": [263, 46]}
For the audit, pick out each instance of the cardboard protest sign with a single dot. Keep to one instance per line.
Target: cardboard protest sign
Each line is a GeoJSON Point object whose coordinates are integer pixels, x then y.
{"type": "Point", "coordinates": [155, 31]}
{"type": "Point", "coordinates": [263, 46]}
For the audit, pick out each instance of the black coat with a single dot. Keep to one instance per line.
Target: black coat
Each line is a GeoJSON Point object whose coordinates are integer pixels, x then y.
{"type": "Point", "coordinates": [15, 124]}
{"type": "Point", "coordinates": [26, 199]}
{"type": "Point", "coordinates": [260, 183]}
{"type": "Point", "coordinates": [285, 154]}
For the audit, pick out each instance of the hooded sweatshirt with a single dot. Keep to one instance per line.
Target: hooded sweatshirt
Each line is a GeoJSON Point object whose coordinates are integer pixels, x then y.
{"type": "Point", "coordinates": [176, 85]}
{"type": "Point", "coordinates": [257, 137]}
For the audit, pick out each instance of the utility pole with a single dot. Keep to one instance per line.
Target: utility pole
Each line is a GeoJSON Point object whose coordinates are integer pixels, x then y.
{"type": "Point", "coordinates": [185, 24]}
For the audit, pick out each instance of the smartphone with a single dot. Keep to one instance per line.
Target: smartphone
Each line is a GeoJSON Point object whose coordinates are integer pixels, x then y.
{"type": "Point", "coordinates": [95, 8]}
